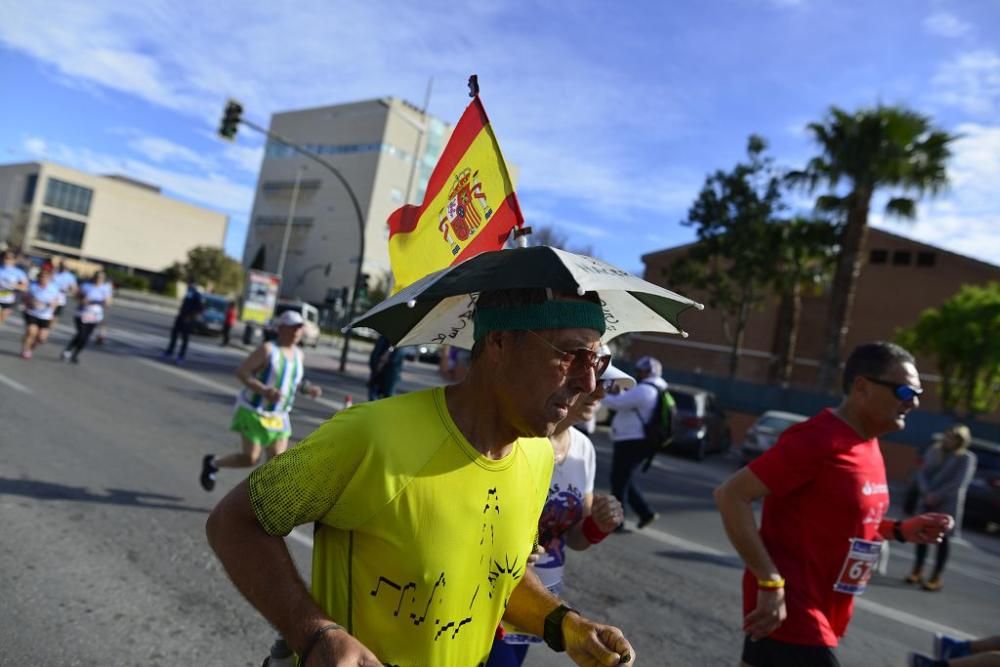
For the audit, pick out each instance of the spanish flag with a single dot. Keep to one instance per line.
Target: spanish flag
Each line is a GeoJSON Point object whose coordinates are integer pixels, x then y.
{"type": "Point", "coordinates": [469, 207]}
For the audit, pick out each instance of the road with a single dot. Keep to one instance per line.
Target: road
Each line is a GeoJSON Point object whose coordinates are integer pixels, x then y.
{"type": "Point", "coordinates": [104, 560]}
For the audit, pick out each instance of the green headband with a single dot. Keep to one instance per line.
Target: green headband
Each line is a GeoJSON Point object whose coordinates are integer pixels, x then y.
{"type": "Point", "coordinates": [535, 316]}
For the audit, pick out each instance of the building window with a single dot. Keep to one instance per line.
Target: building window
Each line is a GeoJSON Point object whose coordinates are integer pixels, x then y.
{"type": "Point", "coordinates": [927, 259]}
{"type": "Point", "coordinates": [63, 231]}
{"type": "Point", "coordinates": [68, 197]}
{"type": "Point", "coordinates": [901, 258]}
{"type": "Point", "coordinates": [878, 256]}
{"type": "Point", "coordinates": [29, 188]}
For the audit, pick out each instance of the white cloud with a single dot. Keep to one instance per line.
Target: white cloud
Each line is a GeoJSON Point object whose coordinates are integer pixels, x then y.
{"type": "Point", "coordinates": [162, 150]}
{"type": "Point", "coordinates": [207, 188]}
{"type": "Point", "coordinates": [966, 218]}
{"type": "Point", "coordinates": [246, 158]}
{"type": "Point", "coordinates": [946, 24]}
{"type": "Point", "coordinates": [971, 82]}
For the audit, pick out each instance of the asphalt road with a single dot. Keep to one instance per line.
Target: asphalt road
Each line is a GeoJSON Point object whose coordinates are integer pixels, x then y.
{"type": "Point", "coordinates": [103, 559]}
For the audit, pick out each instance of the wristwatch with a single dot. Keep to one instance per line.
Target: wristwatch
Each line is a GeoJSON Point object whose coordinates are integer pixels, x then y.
{"type": "Point", "coordinates": [553, 634]}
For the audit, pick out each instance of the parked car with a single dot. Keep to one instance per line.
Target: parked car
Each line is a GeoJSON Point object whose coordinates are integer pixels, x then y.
{"type": "Point", "coordinates": [982, 500]}
{"type": "Point", "coordinates": [427, 354]}
{"type": "Point", "coordinates": [310, 330]}
{"type": "Point", "coordinates": [212, 315]}
{"type": "Point", "coordinates": [765, 431]}
{"type": "Point", "coordinates": [702, 426]}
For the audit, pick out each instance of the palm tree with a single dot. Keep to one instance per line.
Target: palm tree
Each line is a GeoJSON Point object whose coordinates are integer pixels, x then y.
{"type": "Point", "coordinates": [804, 254]}
{"type": "Point", "coordinates": [871, 150]}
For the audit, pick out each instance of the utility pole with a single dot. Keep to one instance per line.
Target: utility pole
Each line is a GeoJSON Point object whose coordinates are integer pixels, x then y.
{"type": "Point", "coordinates": [288, 223]}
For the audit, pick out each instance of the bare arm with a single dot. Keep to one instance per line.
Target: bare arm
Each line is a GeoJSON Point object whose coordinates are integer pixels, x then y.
{"type": "Point", "coordinates": [262, 569]}
{"type": "Point", "coordinates": [735, 501]}
{"type": "Point", "coordinates": [251, 365]}
{"type": "Point", "coordinates": [587, 642]}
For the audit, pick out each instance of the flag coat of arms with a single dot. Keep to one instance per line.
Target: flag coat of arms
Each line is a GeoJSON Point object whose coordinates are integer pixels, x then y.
{"type": "Point", "coordinates": [469, 206]}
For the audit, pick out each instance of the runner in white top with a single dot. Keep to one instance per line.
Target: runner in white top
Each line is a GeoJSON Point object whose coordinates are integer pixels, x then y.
{"type": "Point", "coordinates": [573, 515]}
{"type": "Point", "coordinates": [95, 298]}
{"type": "Point", "coordinates": [12, 280]}
{"type": "Point", "coordinates": [65, 280]}
{"type": "Point", "coordinates": [40, 303]}
{"type": "Point", "coordinates": [271, 375]}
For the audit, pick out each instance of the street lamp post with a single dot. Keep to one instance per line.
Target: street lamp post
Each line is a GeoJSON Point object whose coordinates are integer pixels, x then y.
{"type": "Point", "coordinates": [288, 223]}
{"type": "Point", "coordinates": [357, 210]}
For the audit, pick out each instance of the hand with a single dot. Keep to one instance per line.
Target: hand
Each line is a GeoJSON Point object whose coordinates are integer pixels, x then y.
{"type": "Point", "coordinates": [340, 649]}
{"type": "Point", "coordinates": [537, 553]}
{"type": "Point", "coordinates": [271, 394]}
{"type": "Point", "coordinates": [927, 528]}
{"type": "Point", "coordinates": [769, 614]}
{"type": "Point", "coordinates": [314, 391]}
{"type": "Point", "coordinates": [590, 644]}
{"type": "Point", "coordinates": [607, 512]}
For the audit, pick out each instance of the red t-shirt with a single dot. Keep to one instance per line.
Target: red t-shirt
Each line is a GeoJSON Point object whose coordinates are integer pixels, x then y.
{"type": "Point", "coordinates": [827, 485]}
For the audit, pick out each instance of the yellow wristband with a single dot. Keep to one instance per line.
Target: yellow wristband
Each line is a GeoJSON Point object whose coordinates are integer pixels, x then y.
{"type": "Point", "coordinates": [771, 584]}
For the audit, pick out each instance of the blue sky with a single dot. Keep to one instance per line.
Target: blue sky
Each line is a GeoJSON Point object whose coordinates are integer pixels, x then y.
{"type": "Point", "coordinates": [614, 112]}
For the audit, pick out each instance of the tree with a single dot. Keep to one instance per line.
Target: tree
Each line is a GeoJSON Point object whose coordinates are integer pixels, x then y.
{"type": "Point", "coordinates": [804, 252]}
{"type": "Point", "coordinates": [732, 262]}
{"type": "Point", "coordinates": [962, 335]}
{"type": "Point", "coordinates": [208, 265]}
{"type": "Point", "coordinates": [871, 150]}
{"type": "Point", "coordinates": [545, 235]}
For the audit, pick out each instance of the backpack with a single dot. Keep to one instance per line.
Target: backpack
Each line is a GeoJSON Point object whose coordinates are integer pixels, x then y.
{"type": "Point", "coordinates": [660, 428]}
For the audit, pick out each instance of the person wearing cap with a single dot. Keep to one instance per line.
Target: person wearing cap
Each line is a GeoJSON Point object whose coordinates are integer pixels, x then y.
{"type": "Point", "coordinates": [574, 515]}
{"type": "Point", "coordinates": [425, 506]}
{"type": "Point", "coordinates": [634, 408]}
{"type": "Point", "coordinates": [271, 376]}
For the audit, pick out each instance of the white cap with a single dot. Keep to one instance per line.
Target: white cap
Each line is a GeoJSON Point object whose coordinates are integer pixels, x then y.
{"type": "Point", "coordinates": [621, 379]}
{"type": "Point", "coordinates": [290, 318]}
{"type": "Point", "coordinates": [651, 365]}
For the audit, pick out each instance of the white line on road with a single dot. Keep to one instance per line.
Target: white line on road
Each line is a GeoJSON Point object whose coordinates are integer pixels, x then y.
{"type": "Point", "coordinates": [14, 385]}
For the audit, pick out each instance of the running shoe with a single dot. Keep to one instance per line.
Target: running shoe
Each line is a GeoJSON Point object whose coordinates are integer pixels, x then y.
{"type": "Point", "coordinates": [914, 578]}
{"type": "Point", "coordinates": [648, 520]}
{"type": "Point", "coordinates": [27, 354]}
{"type": "Point", "coordinates": [66, 354]}
{"type": "Point", "coordinates": [933, 584]}
{"type": "Point", "coordinates": [946, 647]}
{"type": "Point", "coordinates": [208, 471]}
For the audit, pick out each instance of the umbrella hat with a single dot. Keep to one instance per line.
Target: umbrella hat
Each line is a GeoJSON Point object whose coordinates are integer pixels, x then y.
{"type": "Point", "coordinates": [439, 307]}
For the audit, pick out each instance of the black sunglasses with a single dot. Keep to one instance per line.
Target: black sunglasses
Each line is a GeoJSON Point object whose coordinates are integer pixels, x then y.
{"type": "Point", "coordinates": [577, 362]}
{"type": "Point", "coordinates": [903, 392]}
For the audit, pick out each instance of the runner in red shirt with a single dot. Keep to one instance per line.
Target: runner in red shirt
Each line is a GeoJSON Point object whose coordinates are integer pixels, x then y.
{"type": "Point", "coordinates": [822, 525]}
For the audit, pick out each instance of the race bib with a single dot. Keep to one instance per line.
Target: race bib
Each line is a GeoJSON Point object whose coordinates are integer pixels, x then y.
{"type": "Point", "coordinates": [274, 423]}
{"type": "Point", "coordinates": [6, 296]}
{"type": "Point", "coordinates": [92, 314]}
{"type": "Point", "coordinates": [861, 559]}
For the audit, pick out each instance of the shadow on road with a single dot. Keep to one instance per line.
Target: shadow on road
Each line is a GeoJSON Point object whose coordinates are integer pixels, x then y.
{"type": "Point", "coordinates": [39, 490]}
{"type": "Point", "coordinates": [724, 561]}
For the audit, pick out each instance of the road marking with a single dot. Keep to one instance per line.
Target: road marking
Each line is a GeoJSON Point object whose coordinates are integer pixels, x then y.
{"type": "Point", "coordinates": [187, 375]}
{"type": "Point", "coordinates": [14, 385]}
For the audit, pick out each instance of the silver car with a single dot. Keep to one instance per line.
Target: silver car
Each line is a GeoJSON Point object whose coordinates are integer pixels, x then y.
{"type": "Point", "coordinates": [765, 431]}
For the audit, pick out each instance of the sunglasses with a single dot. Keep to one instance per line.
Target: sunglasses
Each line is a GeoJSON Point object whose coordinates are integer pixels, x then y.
{"type": "Point", "coordinates": [903, 392]}
{"type": "Point", "coordinates": [577, 362]}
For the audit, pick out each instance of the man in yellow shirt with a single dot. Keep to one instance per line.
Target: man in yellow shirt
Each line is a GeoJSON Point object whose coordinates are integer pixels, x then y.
{"type": "Point", "coordinates": [426, 506]}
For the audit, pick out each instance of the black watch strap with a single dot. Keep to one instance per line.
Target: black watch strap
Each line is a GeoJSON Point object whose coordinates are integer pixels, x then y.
{"type": "Point", "coordinates": [553, 634]}
{"type": "Point", "coordinates": [897, 531]}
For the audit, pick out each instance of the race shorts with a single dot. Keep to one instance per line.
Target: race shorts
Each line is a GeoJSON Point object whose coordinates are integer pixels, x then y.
{"type": "Point", "coordinates": [37, 321]}
{"type": "Point", "coordinates": [772, 653]}
{"type": "Point", "coordinates": [5, 306]}
{"type": "Point", "coordinates": [252, 426]}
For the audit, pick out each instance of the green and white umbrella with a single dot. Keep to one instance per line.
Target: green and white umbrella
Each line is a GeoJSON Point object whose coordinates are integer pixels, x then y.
{"type": "Point", "coordinates": [439, 307]}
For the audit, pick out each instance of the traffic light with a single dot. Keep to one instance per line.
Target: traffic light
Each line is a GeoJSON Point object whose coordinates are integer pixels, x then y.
{"type": "Point", "coordinates": [230, 120]}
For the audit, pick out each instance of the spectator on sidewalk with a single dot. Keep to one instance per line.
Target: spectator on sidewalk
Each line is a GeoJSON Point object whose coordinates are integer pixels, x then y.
{"type": "Point", "coordinates": [386, 366]}
{"type": "Point", "coordinates": [228, 321]}
{"type": "Point", "coordinates": [191, 306]}
{"type": "Point", "coordinates": [941, 485]}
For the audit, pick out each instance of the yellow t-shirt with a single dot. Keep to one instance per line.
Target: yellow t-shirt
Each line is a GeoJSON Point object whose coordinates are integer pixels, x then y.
{"type": "Point", "coordinates": [420, 539]}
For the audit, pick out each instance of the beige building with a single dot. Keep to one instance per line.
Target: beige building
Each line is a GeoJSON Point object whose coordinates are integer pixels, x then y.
{"type": "Point", "coordinates": [48, 209]}
{"type": "Point", "coordinates": [385, 149]}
